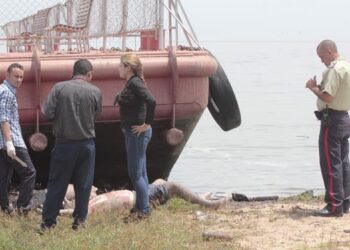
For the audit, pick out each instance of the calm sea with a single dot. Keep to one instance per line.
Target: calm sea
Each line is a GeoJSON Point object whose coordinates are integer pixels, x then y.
{"type": "Point", "coordinates": [274, 151]}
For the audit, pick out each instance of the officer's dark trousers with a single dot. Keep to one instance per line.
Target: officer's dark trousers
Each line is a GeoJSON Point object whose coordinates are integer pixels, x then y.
{"type": "Point", "coordinates": [70, 161]}
{"type": "Point", "coordinates": [26, 175]}
{"type": "Point", "coordinates": [334, 159]}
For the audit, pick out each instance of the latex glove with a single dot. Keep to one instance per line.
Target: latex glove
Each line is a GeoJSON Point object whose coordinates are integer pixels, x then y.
{"type": "Point", "coordinates": [11, 151]}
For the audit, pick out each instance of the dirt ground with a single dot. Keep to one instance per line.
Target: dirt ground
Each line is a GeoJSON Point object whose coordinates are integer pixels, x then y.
{"type": "Point", "coordinates": [277, 225]}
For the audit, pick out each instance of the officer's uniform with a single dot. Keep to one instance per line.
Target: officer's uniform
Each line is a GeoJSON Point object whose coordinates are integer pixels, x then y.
{"type": "Point", "coordinates": [334, 134]}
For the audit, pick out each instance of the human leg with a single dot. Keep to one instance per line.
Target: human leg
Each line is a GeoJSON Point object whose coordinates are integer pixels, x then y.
{"type": "Point", "coordinates": [83, 176]}
{"type": "Point", "coordinates": [136, 152]}
{"type": "Point", "coordinates": [10, 175]}
{"type": "Point", "coordinates": [323, 162]}
{"type": "Point", "coordinates": [147, 137]}
{"type": "Point", "coordinates": [332, 170]}
{"type": "Point", "coordinates": [63, 158]}
{"type": "Point", "coordinates": [177, 190]}
{"type": "Point", "coordinates": [27, 179]}
{"type": "Point", "coordinates": [346, 175]}
{"type": "Point", "coordinates": [159, 182]}
{"type": "Point", "coordinates": [5, 169]}
{"type": "Point", "coordinates": [111, 201]}
{"type": "Point", "coordinates": [143, 159]}
{"type": "Point", "coordinates": [345, 160]}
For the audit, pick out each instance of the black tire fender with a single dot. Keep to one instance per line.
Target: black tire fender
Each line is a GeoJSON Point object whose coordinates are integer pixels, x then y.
{"type": "Point", "coordinates": [222, 103]}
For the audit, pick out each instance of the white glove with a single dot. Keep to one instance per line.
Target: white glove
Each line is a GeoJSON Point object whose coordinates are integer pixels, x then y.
{"type": "Point", "coordinates": [11, 151]}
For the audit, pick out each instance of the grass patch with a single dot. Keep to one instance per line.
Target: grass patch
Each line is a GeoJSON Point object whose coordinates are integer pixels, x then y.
{"type": "Point", "coordinates": [172, 226]}
{"type": "Point", "coordinates": [179, 205]}
{"type": "Point", "coordinates": [305, 197]}
{"type": "Point", "coordinates": [333, 245]}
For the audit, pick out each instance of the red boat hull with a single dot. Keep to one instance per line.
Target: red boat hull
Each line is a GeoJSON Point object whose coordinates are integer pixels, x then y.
{"type": "Point", "coordinates": [179, 82]}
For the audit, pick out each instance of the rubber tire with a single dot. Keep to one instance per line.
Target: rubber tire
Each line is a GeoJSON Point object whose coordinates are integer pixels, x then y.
{"type": "Point", "coordinates": [222, 103]}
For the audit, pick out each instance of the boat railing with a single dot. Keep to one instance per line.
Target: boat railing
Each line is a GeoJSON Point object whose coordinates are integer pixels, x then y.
{"type": "Point", "coordinates": [74, 28]}
{"type": "Point", "coordinates": [106, 25]}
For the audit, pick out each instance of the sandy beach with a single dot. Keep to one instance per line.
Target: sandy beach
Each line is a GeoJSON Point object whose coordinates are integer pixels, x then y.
{"type": "Point", "coordinates": [284, 224]}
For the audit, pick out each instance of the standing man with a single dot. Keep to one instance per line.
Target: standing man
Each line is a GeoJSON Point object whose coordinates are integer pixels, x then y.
{"type": "Point", "coordinates": [72, 106]}
{"type": "Point", "coordinates": [12, 146]}
{"type": "Point", "coordinates": [333, 104]}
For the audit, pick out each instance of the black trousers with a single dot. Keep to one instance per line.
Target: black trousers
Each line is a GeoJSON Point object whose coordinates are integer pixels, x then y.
{"type": "Point", "coordinates": [26, 175]}
{"type": "Point", "coordinates": [70, 161]}
{"type": "Point", "coordinates": [334, 159]}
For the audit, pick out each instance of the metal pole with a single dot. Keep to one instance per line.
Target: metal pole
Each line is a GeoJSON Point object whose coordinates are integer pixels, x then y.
{"type": "Point", "coordinates": [187, 20]}
{"type": "Point", "coordinates": [176, 24]}
{"type": "Point", "coordinates": [124, 24]}
{"type": "Point", "coordinates": [104, 23]}
{"type": "Point", "coordinates": [182, 25]}
{"type": "Point", "coordinates": [170, 26]}
{"type": "Point", "coordinates": [70, 11]}
{"type": "Point", "coordinates": [177, 30]}
{"type": "Point", "coordinates": [161, 25]}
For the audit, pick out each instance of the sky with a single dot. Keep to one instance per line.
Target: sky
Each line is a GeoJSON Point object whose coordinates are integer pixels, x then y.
{"type": "Point", "coordinates": [280, 20]}
{"type": "Point", "coordinates": [247, 20]}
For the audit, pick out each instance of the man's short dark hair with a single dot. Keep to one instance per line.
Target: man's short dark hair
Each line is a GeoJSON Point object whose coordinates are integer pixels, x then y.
{"type": "Point", "coordinates": [82, 67]}
{"type": "Point", "coordinates": [14, 66]}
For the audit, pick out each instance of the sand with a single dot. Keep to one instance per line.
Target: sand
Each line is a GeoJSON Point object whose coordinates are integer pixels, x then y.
{"type": "Point", "coordinates": [277, 225]}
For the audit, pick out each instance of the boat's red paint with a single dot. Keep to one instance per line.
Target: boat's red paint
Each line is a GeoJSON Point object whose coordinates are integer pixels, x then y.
{"type": "Point", "coordinates": [191, 91]}
{"type": "Point", "coordinates": [181, 92]}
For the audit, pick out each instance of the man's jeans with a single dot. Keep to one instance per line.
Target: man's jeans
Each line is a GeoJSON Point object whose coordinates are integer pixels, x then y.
{"type": "Point", "coordinates": [70, 161]}
{"type": "Point", "coordinates": [26, 175]}
{"type": "Point", "coordinates": [136, 147]}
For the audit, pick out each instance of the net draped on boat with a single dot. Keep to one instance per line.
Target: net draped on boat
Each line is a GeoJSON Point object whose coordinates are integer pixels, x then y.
{"type": "Point", "coordinates": [50, 22]}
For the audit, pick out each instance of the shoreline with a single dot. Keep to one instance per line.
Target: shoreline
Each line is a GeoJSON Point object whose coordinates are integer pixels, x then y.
{"type": "Point", "coordinates": [283, 224]}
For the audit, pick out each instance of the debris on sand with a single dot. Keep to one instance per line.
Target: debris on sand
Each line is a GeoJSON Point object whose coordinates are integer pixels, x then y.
{"type": "Point", "coordinates": [219, 235]}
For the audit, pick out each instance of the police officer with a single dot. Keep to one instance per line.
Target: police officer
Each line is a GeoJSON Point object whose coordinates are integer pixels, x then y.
{"type": "Point", "coordinates": [333, 103]}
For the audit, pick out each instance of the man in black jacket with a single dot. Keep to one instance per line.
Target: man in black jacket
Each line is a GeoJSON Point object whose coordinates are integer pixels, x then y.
{"type": "Point", "coordinates": [72, 106]}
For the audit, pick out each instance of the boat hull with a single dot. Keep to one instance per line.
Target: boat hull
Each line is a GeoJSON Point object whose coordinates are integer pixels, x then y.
{"type": "Point", "coordinates": [178, 81]}
{"type": "Point", "coordinates": [111, 161]}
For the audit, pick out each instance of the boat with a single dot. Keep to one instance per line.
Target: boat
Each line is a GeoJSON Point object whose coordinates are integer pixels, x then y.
{"type": "Point", "coordinates": [184, 79]}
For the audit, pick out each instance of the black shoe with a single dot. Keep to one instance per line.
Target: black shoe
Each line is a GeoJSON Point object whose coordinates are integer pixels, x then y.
{"type": "Point", "coordinates": [44, 228]}
{"type": "Point", "coordinates": [136, 217]}
{"type": "Point", "coordinates": [346, 206]}
{"type": "Point", "coordinates": [133, 210]}
{"type": "Point", "coordinates": [22, 211]}
{"type": "Point", "coordinates": [7, 210]}
{"type": "Point", "coordinates": [326, 213]}
{"type": "Point", "coordinates": [78, 223]}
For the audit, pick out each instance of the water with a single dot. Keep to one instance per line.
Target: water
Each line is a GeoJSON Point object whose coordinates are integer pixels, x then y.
{"type": "Point", "coordinates": [274, 151]}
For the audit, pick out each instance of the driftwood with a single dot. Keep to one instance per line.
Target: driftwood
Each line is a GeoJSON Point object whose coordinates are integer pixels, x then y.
{"type": "Point", "coordinates": [210, 235]}
{"type": "Point", "coordinates": [242, 197]}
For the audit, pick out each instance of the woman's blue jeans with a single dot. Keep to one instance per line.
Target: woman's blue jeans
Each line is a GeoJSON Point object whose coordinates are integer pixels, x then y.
{"type": "Point", "coordinates": [136, 147]}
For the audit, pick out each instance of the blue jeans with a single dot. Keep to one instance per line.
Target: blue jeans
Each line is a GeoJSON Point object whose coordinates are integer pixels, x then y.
{"type": "Point", "coordinates": [70, 161]}
{"type": "Point", "coordinates": [136, 147]}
